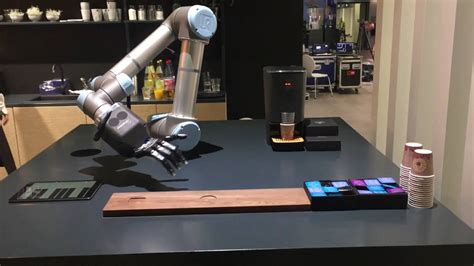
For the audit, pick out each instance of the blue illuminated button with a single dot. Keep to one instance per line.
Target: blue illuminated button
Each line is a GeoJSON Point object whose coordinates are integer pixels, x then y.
{"type": "Point", "coordinates": [313, 184]}
{"type": "Point", "coordinates": [375, 188]}
{"type": "Point", "coordinates": [318, 194]}
{"type": "Point", "coordinates": [330, 189]}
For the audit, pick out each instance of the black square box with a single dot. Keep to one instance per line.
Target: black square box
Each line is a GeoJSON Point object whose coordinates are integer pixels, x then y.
{"type": "Point", "coordinates": [321, 127]}
{"type": "Point", "coordinates": [379, 193]}
{"type": "Point", "coordinates": [323, 143]}
{"type": "Point", "coordinates": [331, 195]}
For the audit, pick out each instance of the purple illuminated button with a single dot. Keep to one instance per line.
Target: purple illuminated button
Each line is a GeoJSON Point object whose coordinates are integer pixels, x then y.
{"type": "Point", "coordinates": [363, 192]}
{"type": "Point", "coordinates": [340, 184]}
{"type": "Point", "coordinates": [358, 182]}
{"type": "Point", "coordinates": [395, 190]}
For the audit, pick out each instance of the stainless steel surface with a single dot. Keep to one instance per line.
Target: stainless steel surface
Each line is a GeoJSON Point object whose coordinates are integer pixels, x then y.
{"type": "Point", "coordinates": [187, 83]}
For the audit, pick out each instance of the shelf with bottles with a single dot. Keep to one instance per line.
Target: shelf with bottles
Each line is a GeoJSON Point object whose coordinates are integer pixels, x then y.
{"type": "Point", "coordinates": [49, 23]}
{"type": "Point", "coordinates": [159, 82]}
{"type": "Point", "coordinates": [155, 22]}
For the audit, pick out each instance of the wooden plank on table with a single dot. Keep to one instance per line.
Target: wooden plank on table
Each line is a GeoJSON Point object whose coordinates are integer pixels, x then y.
{"type": "Point", "coordinates": [210, 201]}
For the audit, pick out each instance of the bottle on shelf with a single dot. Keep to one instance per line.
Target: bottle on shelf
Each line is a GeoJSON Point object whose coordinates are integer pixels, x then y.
{"type": "Point", "coordinates": [149, 81]}
{"type": "Point", "coordinates": [159, 84]}
{"type": "Point", "coordinates": [159, 13]}
{"type": "Point", "coordinates": [169, 79]}
{"type": "Point", "coordinates": [150, 69]}
{"type": "Point", "coordinates": [132, 13]}
{"type": "Point", "coordinates": [151, 12]}
{"type": "Point", "coordinates": [159, 69]}
{"type": "Point", "coordinates": [141, 13]}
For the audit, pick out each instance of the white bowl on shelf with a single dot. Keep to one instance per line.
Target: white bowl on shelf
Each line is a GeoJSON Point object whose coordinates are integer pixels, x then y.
{"type": "Point", "coordinates": [52, 17]}
{"type": "Point", "coordinates": [16, 18]}
{"type": "Point", "coordinates": [35, 17]}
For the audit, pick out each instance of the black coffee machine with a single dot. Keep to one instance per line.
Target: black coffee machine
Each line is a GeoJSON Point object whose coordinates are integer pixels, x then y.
{"type": "Point", "coordinates": [284, 88]}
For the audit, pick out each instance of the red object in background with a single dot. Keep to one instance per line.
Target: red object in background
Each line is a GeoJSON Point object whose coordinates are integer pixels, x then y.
{"type": "Point", "coordinates": [350, 73]}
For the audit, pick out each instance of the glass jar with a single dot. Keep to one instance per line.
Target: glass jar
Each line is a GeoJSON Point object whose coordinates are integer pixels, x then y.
{"type": "Point", "coordinates": [141, 12]}
{"type": "Point", "coordinates": [159, 13]}
{"type": "Point", "coordinates": [151, 12]}
{"type": "Point", "coordinates": [132, 13]}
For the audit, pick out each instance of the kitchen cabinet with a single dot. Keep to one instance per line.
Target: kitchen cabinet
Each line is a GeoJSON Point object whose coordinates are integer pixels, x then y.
{"type": "Point", "coordinates": [210, 111]}
{"type": "Point", "coordinates": [144, 110]}
{"type": "Point", "coordinates": [202, 111]}
{"type": "Point", "coordinates": [39, 127]}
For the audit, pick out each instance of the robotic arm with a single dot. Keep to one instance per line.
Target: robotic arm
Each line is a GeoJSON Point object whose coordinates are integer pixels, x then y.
{"type": "Point", "coordinates": [161, 137]}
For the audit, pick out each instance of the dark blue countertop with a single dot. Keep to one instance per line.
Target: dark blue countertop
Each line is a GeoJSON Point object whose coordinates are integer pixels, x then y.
{"type": "Point", "coordinates": [232, 155]}
{"type": "Point", "coordinates": [27, 100]}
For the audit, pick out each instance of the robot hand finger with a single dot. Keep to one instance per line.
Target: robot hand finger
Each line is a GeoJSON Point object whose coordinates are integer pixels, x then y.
{"type": "Point", "coordinates": [166, 163]}
{"type": "Point", "coordinates": [174, 156]}
{"type": "Point", "coordinates": [173, 148]}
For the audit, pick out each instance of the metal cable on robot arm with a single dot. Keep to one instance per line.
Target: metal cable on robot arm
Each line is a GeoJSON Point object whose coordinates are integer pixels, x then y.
{"type": "Point", "coordinates": [125, 131]}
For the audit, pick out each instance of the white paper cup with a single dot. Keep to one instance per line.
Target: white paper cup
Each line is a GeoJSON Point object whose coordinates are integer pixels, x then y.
{"type": "Point", "coordinates": [112, 14]}
{"type": "Point", "coordinates": [85, 5]}
{"type": "Point", "coordinates": [96, 14]}
{"type": "Point", "coordinates": [86, 14]}
{"type": "Point", "coordinates": [105, 14]}
{"type": "Point", "coordinates": [111, 5]}
{"type": "Point", "coordinates": [119, 14]}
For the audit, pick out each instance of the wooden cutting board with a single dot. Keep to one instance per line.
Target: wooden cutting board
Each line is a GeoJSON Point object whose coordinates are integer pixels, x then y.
{"type": "Point", "coordinates": [205, 202]}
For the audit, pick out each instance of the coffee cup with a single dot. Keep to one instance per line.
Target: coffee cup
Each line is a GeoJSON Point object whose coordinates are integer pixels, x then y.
{"type": "Point", "coordinates": [112, 14]}
{"type": "Point", "coordinates": [409, 151]}
{"type": "Point", "coordinates": [287, 131]}
{"type": "Point", "coordinates": [422, 164]}
{"type": "Point", "coordinates": [96, 14]}
{"type": "Point", "coordinates": [119, 14]}
{"type": "Point", "coordinates": [111, 5]}
{"type": "Point", "coordinates": [85, 5]}
{"type": "Point", "coordinates": [86, 14]}
{"type": "Point", "coordinates": [105, 14]}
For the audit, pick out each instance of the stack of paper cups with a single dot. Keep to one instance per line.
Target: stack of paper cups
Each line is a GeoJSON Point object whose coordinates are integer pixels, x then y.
{"type": "Point", "coordinates": [421, 180]}
{"type": "Point", "coordinates": [407, 160]}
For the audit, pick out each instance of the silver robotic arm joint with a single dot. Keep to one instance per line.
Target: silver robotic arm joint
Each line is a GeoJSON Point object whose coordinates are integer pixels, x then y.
{"type": "Point", "coordinates": [125, 131]}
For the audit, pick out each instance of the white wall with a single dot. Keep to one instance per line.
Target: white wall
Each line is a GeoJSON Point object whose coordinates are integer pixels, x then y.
{"type": "Point", "coordinates": [424, 90]}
